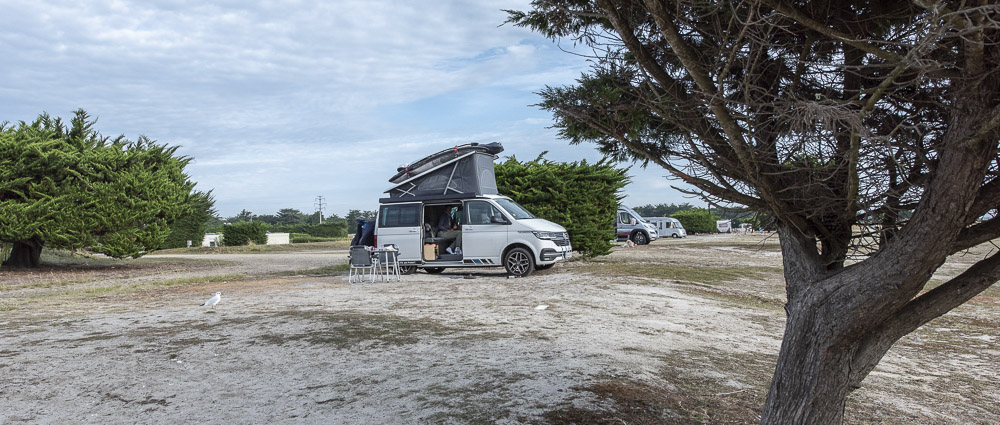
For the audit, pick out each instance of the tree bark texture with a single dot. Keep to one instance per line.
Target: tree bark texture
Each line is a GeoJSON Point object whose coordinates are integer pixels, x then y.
{"type": "Point", "coordinates": [25, 253]}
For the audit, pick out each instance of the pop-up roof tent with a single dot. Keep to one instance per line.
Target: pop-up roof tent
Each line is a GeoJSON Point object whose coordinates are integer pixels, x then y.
{"type": "Point", "coordinates": [461, 171]}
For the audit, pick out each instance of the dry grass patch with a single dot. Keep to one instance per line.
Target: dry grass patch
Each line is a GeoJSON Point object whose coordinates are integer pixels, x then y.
{"type": "Point", "coordinates": [262, 249]}
{"type": "Point", "coordinates": [698, 388]}
{"type": "Point", "coordinates": [681, 273]}
{"type": "Point", "coordinates": [348, 330]}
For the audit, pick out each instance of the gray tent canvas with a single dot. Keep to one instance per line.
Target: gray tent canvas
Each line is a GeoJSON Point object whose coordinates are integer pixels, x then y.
{"type": "Point", "coordinates": [460, 172]}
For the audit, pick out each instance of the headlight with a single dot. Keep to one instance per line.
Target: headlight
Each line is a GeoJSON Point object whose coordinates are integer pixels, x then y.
{"type": "Point", "coordinates": [547, 235]}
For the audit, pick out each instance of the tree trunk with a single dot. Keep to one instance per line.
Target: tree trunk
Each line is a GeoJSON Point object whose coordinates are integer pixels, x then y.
{"type": "Point", "coordinates": [25, 253]}
{"type": "Point", "coordinates": [812, 378]}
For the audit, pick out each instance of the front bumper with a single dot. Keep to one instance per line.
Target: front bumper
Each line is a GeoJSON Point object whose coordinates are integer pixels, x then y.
{"type": "Point", "coordinates": [556, 254]}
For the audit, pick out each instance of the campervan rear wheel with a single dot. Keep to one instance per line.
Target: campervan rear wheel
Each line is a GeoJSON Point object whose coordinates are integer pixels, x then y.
{"type": "Point", "coordinates": [518, 262]}
{"type": "Point", "coordinates": [407, 269]}
{"type": "Point", "coordinates": [640, 238]}
{"type": "Point", "coordinates": [433, 270]}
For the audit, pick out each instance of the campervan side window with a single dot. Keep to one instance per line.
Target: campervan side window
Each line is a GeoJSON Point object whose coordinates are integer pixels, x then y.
{"type": "Point", "coordinates": [400, 216]}
{"type": "Point", "coordinates": [623, 217]}
{"type": "Point", "coordinates": [482, 212]}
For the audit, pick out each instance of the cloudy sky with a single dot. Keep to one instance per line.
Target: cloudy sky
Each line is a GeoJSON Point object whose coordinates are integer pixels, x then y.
{"type": "Point", "coordinates": [281, 102]}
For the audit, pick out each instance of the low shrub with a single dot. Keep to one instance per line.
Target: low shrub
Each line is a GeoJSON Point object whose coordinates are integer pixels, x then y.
{"type": "Point", "coordinates": [243, 233]}
{"type": "Point", "coordinates": [306, 238]}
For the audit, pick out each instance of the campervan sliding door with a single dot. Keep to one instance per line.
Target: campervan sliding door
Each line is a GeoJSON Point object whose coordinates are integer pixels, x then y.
{"type": "Point", "coordinates": [399, 224]}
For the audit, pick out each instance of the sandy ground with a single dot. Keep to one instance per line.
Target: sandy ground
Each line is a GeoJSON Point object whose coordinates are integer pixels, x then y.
{"type": "Point", "coordinates": [132, 345]}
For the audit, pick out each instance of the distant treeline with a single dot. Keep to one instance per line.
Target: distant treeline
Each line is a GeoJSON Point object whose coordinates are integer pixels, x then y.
{"type": "Point", "coordinates": [290, 220]}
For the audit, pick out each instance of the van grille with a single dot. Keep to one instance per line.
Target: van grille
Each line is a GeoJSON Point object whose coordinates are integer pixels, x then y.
{"type": "Point", "coordinates": [562, 241]}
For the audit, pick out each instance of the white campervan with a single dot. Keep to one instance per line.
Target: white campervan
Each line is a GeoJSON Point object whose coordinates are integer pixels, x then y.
{"type": "Point", "coordinates": [630, 226]}
{"type": "Point", "coordinates": [458, 186]}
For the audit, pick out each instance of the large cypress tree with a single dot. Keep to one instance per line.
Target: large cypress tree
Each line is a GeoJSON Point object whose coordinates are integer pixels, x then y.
{"type": "Point", "coordinates": [825, 115]}
{"type": "Point", "coordinates": [67, 186]}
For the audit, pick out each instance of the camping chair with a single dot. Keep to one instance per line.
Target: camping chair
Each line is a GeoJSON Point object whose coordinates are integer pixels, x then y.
{"type": "Point", "coordinates": [361, 262]}
{"type": "Point", "coordinates": [388, 260]}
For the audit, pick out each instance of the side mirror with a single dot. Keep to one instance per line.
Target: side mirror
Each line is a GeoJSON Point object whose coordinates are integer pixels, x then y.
{"type": "Point", "coordinates": [497, 219]}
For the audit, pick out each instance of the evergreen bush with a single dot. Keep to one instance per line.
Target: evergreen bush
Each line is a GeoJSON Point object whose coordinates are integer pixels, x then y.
{"type": "Point", "coordinates": [243, 233]}
{"type": "Point", "coordinates": [581, 197]}
{"type": "Point", "coordinates": [697, 220]}
{"type": "Point", "coordinates": [193, 225]}
{"type": "Point", "coordinates": [63, 185]}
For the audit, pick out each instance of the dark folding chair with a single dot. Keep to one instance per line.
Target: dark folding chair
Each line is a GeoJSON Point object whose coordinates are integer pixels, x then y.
{"type": "Point", "coordinates": [361, 262]}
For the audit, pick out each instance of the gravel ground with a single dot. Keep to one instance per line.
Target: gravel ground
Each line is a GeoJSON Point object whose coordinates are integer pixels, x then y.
{"type": "Point", "coordinates": [289, 344]}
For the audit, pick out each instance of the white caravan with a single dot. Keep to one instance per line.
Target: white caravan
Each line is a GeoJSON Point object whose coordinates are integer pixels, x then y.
{"type": "Point", "coordinates": [668, 226]}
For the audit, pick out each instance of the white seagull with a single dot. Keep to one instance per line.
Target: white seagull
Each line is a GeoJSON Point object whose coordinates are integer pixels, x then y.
{"type": "Point", "coordinates": [214, 300]}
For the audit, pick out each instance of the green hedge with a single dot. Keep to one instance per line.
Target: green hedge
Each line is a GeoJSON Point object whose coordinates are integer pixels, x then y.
{"type": "Point", "coordinates": [581, 197]}
{"type": "Point", "coordinates": [330, 229]}
{"type": "Point", "coordinates": [243, 233]}
{"type": "Point", "coordinates": [304, 238]}
{"type": "Point", "coordinates": [698, 220]}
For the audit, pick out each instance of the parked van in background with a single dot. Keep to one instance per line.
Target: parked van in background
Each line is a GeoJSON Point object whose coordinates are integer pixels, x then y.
{"type": "Point", "coordinates": [668, 226]}
{"type": "Point", "coordinates": [633, 227]}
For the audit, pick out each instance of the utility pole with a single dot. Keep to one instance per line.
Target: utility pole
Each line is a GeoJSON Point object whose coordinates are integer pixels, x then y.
{"type": "Point", "coordinates": [319, 206]}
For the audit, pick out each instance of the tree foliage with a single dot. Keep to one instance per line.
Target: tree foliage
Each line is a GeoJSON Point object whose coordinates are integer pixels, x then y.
{"type": "Point", "coordinates": [822, 114]}
{"type": "Point", "coordinates": [193, 225]}
{"type": "Point", "coordinates": [244, 232]}
{"type": "Point", "coordinates": [66, 186]}
{"type": "Point", "coordinates": [697, 220]}
{"type": "Point", "coordinates": [661, 210]}
{"type": "Point", "coordinates": [353, 216]}
{"type": "Point", "coordinates": [581, 197]}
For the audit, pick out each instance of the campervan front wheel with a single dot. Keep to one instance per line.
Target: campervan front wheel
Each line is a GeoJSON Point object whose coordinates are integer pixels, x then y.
{"type": "Point", "coordinates": [676, 236]}
{"type": "Point", "coordinates": [433, 270]}
{"type": "Point", "coordinates": [518, 262]}
{"type": "Point", "coordinates": [640, 238]}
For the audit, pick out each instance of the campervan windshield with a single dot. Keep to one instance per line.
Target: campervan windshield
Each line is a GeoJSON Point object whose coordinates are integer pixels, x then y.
{"type": "Point", "coordinates": [634, 214]}
{"type": "Point", "coordinates": [515, 210]}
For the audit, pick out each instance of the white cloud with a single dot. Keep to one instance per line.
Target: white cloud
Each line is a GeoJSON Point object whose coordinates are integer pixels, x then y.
{"type": "Point", "coordinates": [279, 102]}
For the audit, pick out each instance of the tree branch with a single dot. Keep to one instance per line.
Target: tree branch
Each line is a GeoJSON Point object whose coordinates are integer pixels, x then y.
{"type": "Point", "coordinates": [815, 25]}
{"type": "Point", "coordinates": [977, 234]}
{"type": "Point", "coordinates": [987, 199]}
{"type": "Point", "coordinates": [923, 309]}
{"type": "Point", "coordinates": [694, 68]}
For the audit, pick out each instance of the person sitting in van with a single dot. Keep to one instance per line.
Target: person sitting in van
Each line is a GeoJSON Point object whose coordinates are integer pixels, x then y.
{"type": "Point", "coordinates": [449, 229]}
